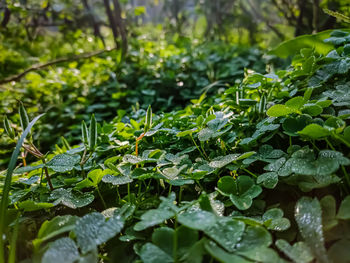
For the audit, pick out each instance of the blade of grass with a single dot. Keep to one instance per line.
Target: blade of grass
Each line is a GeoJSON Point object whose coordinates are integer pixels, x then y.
{"type": "Point", "coordinates": [7, 185]}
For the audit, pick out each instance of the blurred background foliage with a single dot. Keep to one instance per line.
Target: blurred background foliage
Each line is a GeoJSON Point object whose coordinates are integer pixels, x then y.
{"type": "Point", "coordinates": [159, 52]}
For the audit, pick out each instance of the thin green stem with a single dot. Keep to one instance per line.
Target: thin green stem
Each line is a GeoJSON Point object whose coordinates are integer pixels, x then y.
{"type": "Point", "coordinates": [47, 175]}
{"type": "Point", "coordinates": [314, 145]}
{"type": "Point", "coordinates": [118, 194]}
{"type": "Point", "coordinates": [342, 140]}
{"type": "Point", "coordinates": [252, 174]}
{"type": "Point", "coordinates": [101, 197]}
{"type": "Point", "coordinates": [290, 141]}
{"type": "Point", "coordinates": [206, 156]}
{"type": "Point", "coordinates": [197, 147]}
{"type": "Point", "coordinates": [329, 144]}
{"type": "Point", "coordinates": [170, 189]}
{"type": "Point", "coordinates": [129, 194]}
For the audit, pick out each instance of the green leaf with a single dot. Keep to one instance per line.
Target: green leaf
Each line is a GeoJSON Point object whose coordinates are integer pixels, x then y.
{"type": "Point", "coordinates": [295, 103]}
{"type": "Point", "coordinates": [187, 132]}
{"type": "Point", "coordinates": [241, 191]}
{"type": "Point", "coordinates": [344, 209]}
{"type": "Point", "coordinates": [150, 253]}
{"type": "Point", "coordinates": [63, 162]}
{"type": "Point", "coordinates": [268, 180]}
{"type": "Point", "coordinates": [84, 133]}
{"type": "Point", "coordinates": [221, 255]}
{"type": "Point", "coordinates": [63, 250]}
{"type": "Point", "coordinates": [7, 184]}
{"type": "Point", "coordinates": [93, 179]}
{"type": "Point", "coordinates": [163, 237]}
{"type": "Point", "coordinates": [165, 211]}
{"type": "Point", "coordinates": [274, 220]}
{"type": "Point", "coordinates": [222, 161]}
{"type": "Point", "coordinates": [116, 179]}
{"type": "Point", "coordinates": [226, 232]}
{"type": "Point", "coordinates": [328, 205]}
{"type": "Point", "coordinates": [197, 219]}
{"type": "Point", "coordinates": [92, 230]}
{"type": "Point", "coordinates": [312, 109]}
{"type": "Point", "coordinates": [148, 120]}
{"type": "Point", "coordinates": [314, 131]}
{"type": "Point", "coordinates": [254, 237]}
{"type": "Point", "coordinates": [8, 128]}
{"type": "Point", "coordinates": [299, 252]}
{"type": "Point", "coordinates": [227, 185]}
{"type": "Point", "coordinates": [71, 198]}
{"type": "Point", "coordinates": [23, 116]}
{"type": "Point", "coordinates": [339, 252]}
{"type": "Point", "coordinates": [29, 205]}
{"type": "Point", "coordinates": [279, 110]}
{"type": "Point", "coordinates": [93, 133]}
{"type": "Point", "coordinates": [261, 254]}
{"type": "Point", "coordinates": [27, 169]}
{"type": "Point", "coordinates": [308, 215]}
{"type": "Point", "coordinates": [314, 41]}
{"type": "Point", "coordinates": [54, 227]}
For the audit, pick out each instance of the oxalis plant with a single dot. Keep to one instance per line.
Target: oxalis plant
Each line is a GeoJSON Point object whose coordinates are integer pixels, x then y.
{"type": "Point", "coordinates": [258, 172]}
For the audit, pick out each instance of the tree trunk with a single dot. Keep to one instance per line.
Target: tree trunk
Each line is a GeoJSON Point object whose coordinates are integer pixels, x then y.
{"type": "Point", "coordinates": [112, 21]}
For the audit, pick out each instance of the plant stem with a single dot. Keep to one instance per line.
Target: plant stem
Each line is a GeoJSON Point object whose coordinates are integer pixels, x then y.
{"type": "Point", "coordinates": [47, 175]}
{"type": "Point", "coordinates": [129, 194]}
{"type": "Point", "coordinates": [197, 147]}
{"type": "Point", "coordinates": [329, 144]}
{"type": "Point", "coordinates": [252, 174]}
{"type": "Point", "coordinates": [170, 189]}
{"type": "Point", "coordinates": [101, 197]}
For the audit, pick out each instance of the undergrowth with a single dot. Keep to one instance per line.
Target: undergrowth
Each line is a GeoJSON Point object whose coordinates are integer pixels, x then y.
{"type": "Point", "coordinates": [256, 172]}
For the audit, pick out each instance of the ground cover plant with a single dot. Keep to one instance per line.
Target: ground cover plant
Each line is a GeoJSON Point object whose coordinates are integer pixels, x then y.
{"type": "Point", "coordinates": [173, 76]}
{"type": "Point", "coordinates": [253, 171]}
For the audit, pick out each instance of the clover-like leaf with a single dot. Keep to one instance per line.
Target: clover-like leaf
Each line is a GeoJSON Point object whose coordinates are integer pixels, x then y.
{"type": "Point", "coordinates": [314, 131]}
{"type": "Point", "coordinates": [221, 255]}
{"type": "Point", "coordinates": [299, 252]}
{"type": "Point", "coordinates": [30, 205]}
{"type": "Point", "coordinates": [63, 250]}
{"type": "Point", "coordinates": [241, 191]}
{"type": "Point", "coordinates": [268, 180]}
{"type": "Point", "coordinates": [274, 220]}
{"type": "Point", "coordinates": [328, 204]}
{"type": "Point", "coordinates": [54, 227]}
{"type": "Point", "coordinates": [63, 162]}
{"type": "Point", "coordinates": [222, 161]}
{"type": "Point", "coordinates": [150, 253]}
{"type": "Point", "coordinates": [344, 209]}
{"type": "Point", "coordinates": [226, 232]}
{"type": "Point", "coordinates": [93, 230]}
{"type": "Point", "coordinates": [279, 110]}
{"type": "Point", "coordinates": [71, 198]}
{"type": "Point", "coordinates": [254, 237]}
{"type": "Point", "coordinates": [308, 215]}
{"type": "Point", "coordinates": [165, 211]}
{"type": "Point", "coordinates": [197, 219]}
{"type": "Point", "coordinates": [27, 169]}
{"type": "Point", "coordinates": [116, 179]}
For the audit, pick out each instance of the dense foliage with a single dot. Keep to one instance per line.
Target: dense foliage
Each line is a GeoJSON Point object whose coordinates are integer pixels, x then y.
{"type": "Point", "coordinates": [166, 76]}
{"type": "Point", "coordinates": [255, 169]}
